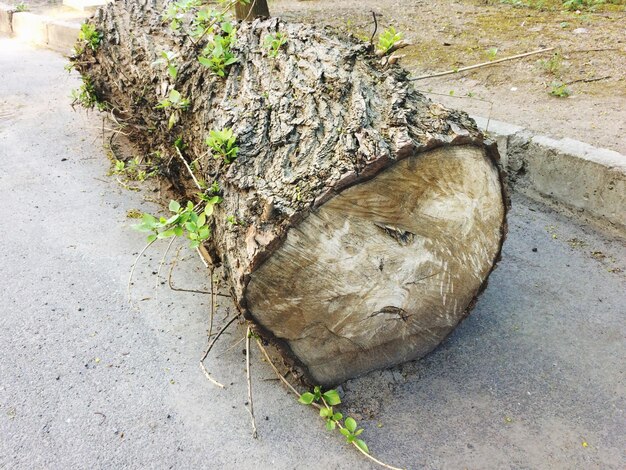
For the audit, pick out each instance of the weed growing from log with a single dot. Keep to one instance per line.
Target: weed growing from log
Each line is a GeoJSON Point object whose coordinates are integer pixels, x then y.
{"type": "Point", "coordinates": [134, 169]}
{"type": "Point", "coordinates": [177, 103]}
{"type": "Point", "coordinates": [217, 54]}
{"type": "Point", "coordinates": [387, 40]}
{"type": "Point", "coordinates": [325, 402]}
{"type": "Point", "coordinates": [168, 59]}
{"type": "Point", "coordinates": [85, 96]}
{"type": "Point", "coordinates": [175, 12]}
{"type": "Point", "coordinates": [21, 7]}
{"type": "Point", "coordinates": [90, 36]}
{"type": "Point", "coordinates": [223, 144]}
{"type": "Point", "coordinates": [186, 222]}
{"type": "Point", "coordinates": [273, 43]}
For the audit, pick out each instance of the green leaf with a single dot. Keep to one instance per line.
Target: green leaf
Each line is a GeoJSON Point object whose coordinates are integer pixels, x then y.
{"type": "Point", "coordinates": [174, 206]}
{"type": "Point", "coordinates": [173, 120]}
{"type": "Point", "coordinates": [345, 432]}
{"type": "Point", "coordinates": [325, 412]}
{"type": "Point", "coordinates": [350, 424]}
{"type": "Point", "coordinates": [208, 210]}
{"type": "Point", "coordinates": [152, 238]}
{"type": "Point", "coordinates": [174, 96]}
{"type": "Point", "coordinates": [358, 432]}
{"type": "Point", "coordinates": [362, 445]}
{"type": "Point", "coordinates": [330, 424]}
{"type": "Point", "coordinates": [306, 398]}
{"type": "Point", "coordinates": [204, 233]}
{"type": "Point", "coordinates": [148, 219]}
{"type": "Point", "coordinates": [337, 416]}
{"type": "Point", "coordinates": [332, 397]}
{"type": "Point", "coordinates": [201, 220]}
{"type": "Point", "coordinates": [173, 71]}
{"type": "Point", "coordinates": [205, 61]}
{"type": "Point", "coordinates": [167, 234]}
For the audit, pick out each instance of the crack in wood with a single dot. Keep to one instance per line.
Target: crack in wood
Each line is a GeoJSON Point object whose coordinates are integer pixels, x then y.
{"type": "Point", "coordinates": [391, 310]}
{"type": "Point", "coordinates": [403, 237]}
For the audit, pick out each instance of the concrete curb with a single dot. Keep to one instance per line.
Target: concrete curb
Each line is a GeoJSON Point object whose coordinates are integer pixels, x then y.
{"type": "Point", "coordinates": [588, 182]}
{"type": "Point", "coordinates": [6, 19]}
{"type": "Point", "coordinates": [41, 30]}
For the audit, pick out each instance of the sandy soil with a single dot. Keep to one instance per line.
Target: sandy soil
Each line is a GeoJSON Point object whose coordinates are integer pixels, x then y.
{"type": "Point", "coordinates": [452, 34]}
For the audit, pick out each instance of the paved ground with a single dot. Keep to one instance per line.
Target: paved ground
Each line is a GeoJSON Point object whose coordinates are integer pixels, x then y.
{"type": "Point", "coordinates": [88, 382]}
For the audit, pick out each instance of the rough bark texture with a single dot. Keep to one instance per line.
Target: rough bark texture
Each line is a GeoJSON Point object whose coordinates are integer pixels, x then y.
{"type": "Point", "coordinates": [323, 117]}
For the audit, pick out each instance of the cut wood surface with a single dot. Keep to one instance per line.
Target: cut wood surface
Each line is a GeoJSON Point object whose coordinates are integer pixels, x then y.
{"type": "Point", "coordinates": [369, 217]}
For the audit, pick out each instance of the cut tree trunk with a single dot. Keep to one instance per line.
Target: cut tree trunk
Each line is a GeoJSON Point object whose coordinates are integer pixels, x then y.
{"type": "Point", "coordinates": [253, 10]}
{"type": "Point", "coordinates": [368, 217]}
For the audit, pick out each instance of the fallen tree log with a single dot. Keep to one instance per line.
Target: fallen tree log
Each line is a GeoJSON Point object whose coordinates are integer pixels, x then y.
{"type": "Point", "coordinates": [368, 217]}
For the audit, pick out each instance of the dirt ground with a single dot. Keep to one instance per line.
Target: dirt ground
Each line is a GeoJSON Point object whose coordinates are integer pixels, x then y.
{"type": "Point", "coordinates": [449, 34]}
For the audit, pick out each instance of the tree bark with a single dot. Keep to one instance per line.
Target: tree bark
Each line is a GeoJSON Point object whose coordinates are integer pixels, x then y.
{"type": "Point", "coordinates": [368, 217]}
{"type": "Point", "coordinates": [255, 9]}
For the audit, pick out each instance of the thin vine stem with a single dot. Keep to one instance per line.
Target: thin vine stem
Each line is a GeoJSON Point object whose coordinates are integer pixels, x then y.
{"type": "Point", "coordinates": [316, 405]}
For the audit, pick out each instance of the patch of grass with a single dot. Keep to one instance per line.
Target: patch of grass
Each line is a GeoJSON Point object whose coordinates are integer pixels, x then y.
{"type": "Point", "coordinates": [560, 90]}
{"type": "Point", "coordinates": [553, 65]}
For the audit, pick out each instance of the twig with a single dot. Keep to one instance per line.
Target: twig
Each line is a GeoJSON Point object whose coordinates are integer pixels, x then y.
{"type": "Point", "coordinates": [204, 261]}
{"type": "Point", "coordinates": [212, 308]}
{"type": "Point", "coordinates": [250, 402]}
{"type": "Point", "coordinates": [375, 27]}
{"type": "Point", "coordinates": [132, 269]}
{"type": "Point", "coordinates": [278, 374]}
{"type": "Point", "coordinates": [224, 328]}
{"type": "Point", "coordinates": [180, 289]}
{"type": "Point", "coordinates": [208, 376]}
{"type": "Point", "coordinates": [588, 80]}
{"type": "Point", "coordinates": [484, 64]}
{"type": "Point", "coordinates": [161, 263]}
{"type": "Point", "coordinates": [197, 183]}
{"type": "Point", "coordinates": [319, 407]}
{"type": "Point", "coordinates": [208, 350]}
{"type": "Point", "coordinates": [230, 348]}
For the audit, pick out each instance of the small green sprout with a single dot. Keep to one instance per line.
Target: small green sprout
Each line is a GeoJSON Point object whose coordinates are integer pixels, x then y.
{"type": "Point", "coordinates": [273, 43]}
{"type": "Point", "coordinates": [90, 36]}
{"type": "Point", "coordinates": [168, 59]}
{"type": "Point", "coordinates": [185, 221]}
{"type": "Point", "coordinates": [85, 96]}
{"type": "Point", "coordinates": [387, 40]}
{"type": "Point", "coordinates": [177, 103]}
{"type": "Point", "coordinates": [223, 144]}
{"type": "Point", "coordinates": [560, 90]}
{"type": "Point", "coordinates": [325, 402]}
{"type": "Point", "coordinates": [217, 54]}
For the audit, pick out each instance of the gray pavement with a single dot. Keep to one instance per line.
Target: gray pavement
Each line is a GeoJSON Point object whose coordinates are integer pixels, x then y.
{"type": "Point", "coordinates": [534, 378]}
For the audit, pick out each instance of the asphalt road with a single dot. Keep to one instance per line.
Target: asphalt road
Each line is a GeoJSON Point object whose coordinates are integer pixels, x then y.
{"type": "Point", "coordinates": [534, 378]}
